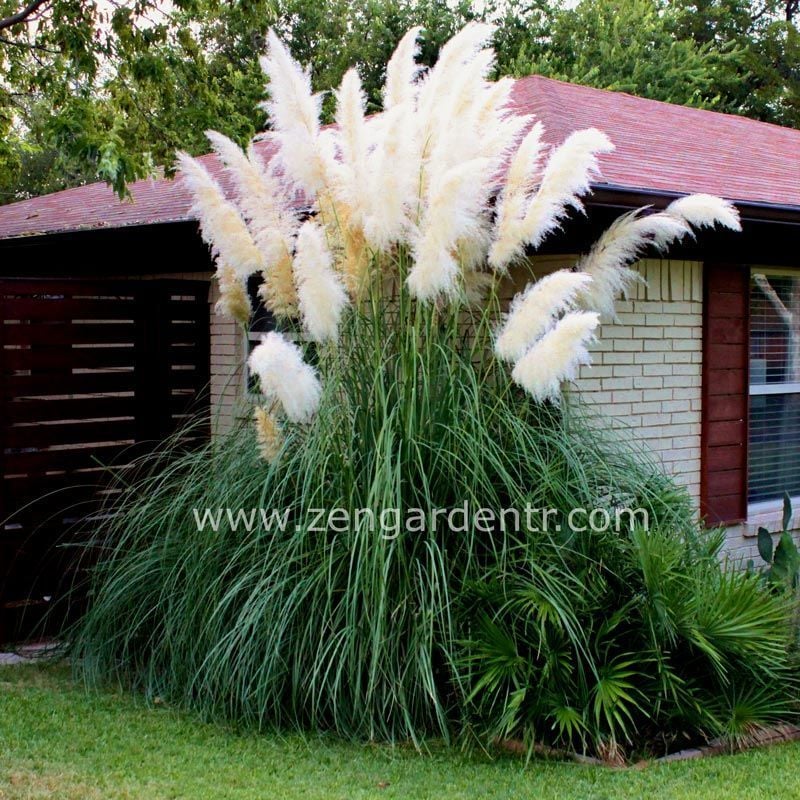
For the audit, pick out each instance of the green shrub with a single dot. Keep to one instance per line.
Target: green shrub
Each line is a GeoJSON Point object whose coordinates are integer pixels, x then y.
{"type": "Point", "coordinates": [569, 638]}
{"type": "Point", "coordinates": [645, 642]}
{"type": "Point", "coordinates": [401, 401]}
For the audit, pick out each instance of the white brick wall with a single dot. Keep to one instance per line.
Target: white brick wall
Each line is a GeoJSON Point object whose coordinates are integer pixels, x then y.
{"type": "Point", "coordinates": [645, 377]}
{"type": "Point", "coordinates": [228, 354]}
{"type": "Point", "coordinates": [647, 367]}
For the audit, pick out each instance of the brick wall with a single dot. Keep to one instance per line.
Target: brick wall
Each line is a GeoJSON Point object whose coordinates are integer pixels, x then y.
{"type": "Point", "coordinates": [647, 367]}
{"type": "Point", "coordinates": [228, 355]}
{"type": "Point", "coordinates": [645, 376]}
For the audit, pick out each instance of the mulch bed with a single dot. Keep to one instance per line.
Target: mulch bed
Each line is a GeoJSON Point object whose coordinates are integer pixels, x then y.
{"type": "Point", "coordinates": [758, 737]}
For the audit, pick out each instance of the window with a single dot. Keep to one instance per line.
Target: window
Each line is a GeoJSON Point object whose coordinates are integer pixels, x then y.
{"type": "Point", "coordinates": [774, 422]}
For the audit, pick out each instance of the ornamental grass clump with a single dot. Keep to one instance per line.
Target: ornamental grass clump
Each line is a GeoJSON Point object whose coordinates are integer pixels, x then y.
{"type": "Point", "coordinates": [299, 571]}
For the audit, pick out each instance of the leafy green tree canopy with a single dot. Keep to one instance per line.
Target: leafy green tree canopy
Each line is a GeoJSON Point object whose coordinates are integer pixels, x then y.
{"type": "Point", "coordinates": [109, 89]}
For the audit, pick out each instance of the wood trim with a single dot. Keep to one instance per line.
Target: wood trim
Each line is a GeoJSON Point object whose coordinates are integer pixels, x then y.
{"type": "Point", "coordinates": [725, 397]}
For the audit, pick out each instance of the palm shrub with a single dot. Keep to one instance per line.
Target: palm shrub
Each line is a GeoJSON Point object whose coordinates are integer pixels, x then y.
{"type": "Point", "coordinates": [383, 245]}
{"type": "Point", "coordinates": [646, 643]}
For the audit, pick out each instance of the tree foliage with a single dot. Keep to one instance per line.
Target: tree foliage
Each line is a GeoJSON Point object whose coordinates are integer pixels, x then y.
{"type": "Point", "coordinates": [108, 90]}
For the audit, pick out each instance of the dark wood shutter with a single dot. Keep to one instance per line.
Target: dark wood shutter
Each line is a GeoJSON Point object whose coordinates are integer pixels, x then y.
{"type": "Point", "coordinates": [726, 329]}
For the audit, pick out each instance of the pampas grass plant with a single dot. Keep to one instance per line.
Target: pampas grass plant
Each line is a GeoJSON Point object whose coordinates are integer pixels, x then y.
{"type": "Point", "coordinates": [386, 391]}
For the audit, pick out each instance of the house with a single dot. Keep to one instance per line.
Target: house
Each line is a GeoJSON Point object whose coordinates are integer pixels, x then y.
{"type": "Point", "coordinates": [702, 364]}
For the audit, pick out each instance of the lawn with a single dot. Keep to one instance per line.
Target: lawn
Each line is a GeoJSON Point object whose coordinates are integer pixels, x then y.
{"type": "Point", "coordinates": [57, 741]}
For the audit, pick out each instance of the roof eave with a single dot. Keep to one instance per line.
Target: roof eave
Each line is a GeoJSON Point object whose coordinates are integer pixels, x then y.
{"type": "Point", "coordinates": [603, 195]}
{"type": "Point", "coordinates": [610, 195]}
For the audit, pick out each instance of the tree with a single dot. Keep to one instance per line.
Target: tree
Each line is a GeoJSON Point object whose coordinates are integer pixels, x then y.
{"type": "Point", "coordinates": [109, 91]}
{"type": "Point", "coordinates": [629, 45]}
{"type": "Point", "coordinates": [764, 81]}
{"type": "Point", "coordinates": [124, 89]}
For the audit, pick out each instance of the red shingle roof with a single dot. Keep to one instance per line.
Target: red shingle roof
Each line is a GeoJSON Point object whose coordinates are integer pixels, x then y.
{"type": "Point", "coordinates": [659, 147]}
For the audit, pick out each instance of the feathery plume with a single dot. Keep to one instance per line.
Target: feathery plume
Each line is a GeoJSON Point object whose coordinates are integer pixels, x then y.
{"type": "Point", "coordinates": [454, 132]}
{"type": "Point", "coordinates": [630, 234]}
{"type": "Point", "coordinates": [524, 167]}
{"type": "Point", "coordinates": [455, 53]}
{"type": "Point", "coordinates": [259, 196]}
{"type": "Point", "coordinates": [392, 180]}
{"type": "Point", "coordinates": [498, 128]}
{"type": "Point", "coordinates": [268, 434]}
{"type": "Point", "coordinates": [320, 292]}
{"type": "Point", "coordinates": [566, 176]}
{"type": "Point", "coordinates": [294, 111]}
{"type": "Point", "coordinates": [233, 301]}
{"type": "Point", "coordinates": [292, 102]}
{"type": "Point", "coordinates": [436, 92]}
{"type": "Point", "coordinates": [463, 101]}
{"type": "Point", "coordinates": [277, 290]}
{"type": "Point", "coordinates": [285, 377]}
{"type": "Point", "coordinates": [626, 238]}
{"type": "Point", "coordinates": [221, 225]}
{"type": "Point", "coordinates": [456, 201]}
{"type": "Point", "coordinates": [520, 178]}
{"type": "Point", "coordinates": [557, 356]}
{"type": "Point", "coordinates": [705, 211]}
{"type": "Point", "coordinates": [352, 140]}
{"type": "Point", "coordinates": [402, 70]}
{"type": "Point", "coordinates": [533, 310]}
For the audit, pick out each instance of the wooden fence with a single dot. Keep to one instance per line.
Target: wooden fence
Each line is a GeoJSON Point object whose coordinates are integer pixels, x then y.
{"type": "Point", "coordinates": [92, 374]}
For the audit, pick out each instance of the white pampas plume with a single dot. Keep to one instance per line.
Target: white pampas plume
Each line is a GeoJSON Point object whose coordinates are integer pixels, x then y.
{"type": "Point", "coordinates": [464, 99]}
{"type": "Point", "coordinates": [626, 238]}
{"type": "Point", "coordinates": [705, 211]}
{"type": "Point", "coordinates": [557, 356]}
{"type": "Point", "coordinates": [456, 200]}
{"type": "Point", "coordinates": [533, 310]}
{"type": "Point", "coordinates": [498, 128]}
{"type": "Point", "coordinates": [566, 176]}
{"type": "Point", "coordinates": [221, 225]}
{"type": "Point", "coordinates": [451, 112]}
{"type": "Point", "coordinates": [285, 377]}
{"type": "Point", "coordinates": [352, 140]}
{"type": "Point", "coordinates": [402, 70]}
{"type": "Point", "coordinates": [435, 91]}
{"type": "Point", "coordinates": [293, 111]}
{"type": "Point", "coordinates": [455, 53]}
{"type": "Point", "coordinates": [350, 102]}
{"type": "Point", "coordinates": [259, 196]}
{"type": "Point", "coordinates": [632, 233]}
{"type": "Point", "coordinates": [322, 297]}
{"type": "Point", "coordinates": [522, 172]}
{"type": "Point", "coordinates": [525, 165]}
{"type": "Point", "coordinates": [392, 181]}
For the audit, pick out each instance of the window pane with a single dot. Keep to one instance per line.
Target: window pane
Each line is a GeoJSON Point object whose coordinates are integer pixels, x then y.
{"type": "Point", "coordinates": [774, 456]}
{"type": "Point", "coordinates": [774, 329]}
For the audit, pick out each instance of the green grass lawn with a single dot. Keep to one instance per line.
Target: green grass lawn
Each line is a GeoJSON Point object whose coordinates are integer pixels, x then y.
{"type": "Point", "coordinates": [57, 741]}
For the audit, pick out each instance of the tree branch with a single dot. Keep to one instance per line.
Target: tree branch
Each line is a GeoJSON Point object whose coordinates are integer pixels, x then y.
{"type": "Point", "coordinates": [28, 46]}
{"type": "Point", "coordinates": [22, 14]}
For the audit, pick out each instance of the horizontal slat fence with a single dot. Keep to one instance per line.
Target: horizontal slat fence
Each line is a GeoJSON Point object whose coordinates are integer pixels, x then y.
{"type": "Point", "coordinates": [92, 374]}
